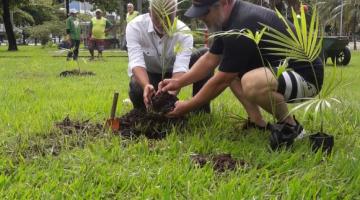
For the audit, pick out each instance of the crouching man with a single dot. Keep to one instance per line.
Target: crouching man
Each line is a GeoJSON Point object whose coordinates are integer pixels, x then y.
{"type": "Point", "coordinates": [147, 41]}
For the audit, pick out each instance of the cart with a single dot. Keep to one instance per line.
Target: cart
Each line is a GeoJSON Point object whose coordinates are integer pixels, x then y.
{"type": "Point", "coordinates": [335, 47]}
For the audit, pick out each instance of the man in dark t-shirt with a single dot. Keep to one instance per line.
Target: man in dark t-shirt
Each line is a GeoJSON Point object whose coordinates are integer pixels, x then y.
{"type": "Point", "coordinates": [243, 68]}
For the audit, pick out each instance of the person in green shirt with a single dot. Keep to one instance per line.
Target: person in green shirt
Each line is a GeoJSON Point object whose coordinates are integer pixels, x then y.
{"type": "Point", "coordinates": [73, 32]}
{"type": "Point", "coordinates": [99, 26]}
{"type": "Point", "coordinates": [131, 13]}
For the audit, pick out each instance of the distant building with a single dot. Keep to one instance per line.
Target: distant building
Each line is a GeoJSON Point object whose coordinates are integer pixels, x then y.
{"type": "Point", "coordinates": [82, 7]}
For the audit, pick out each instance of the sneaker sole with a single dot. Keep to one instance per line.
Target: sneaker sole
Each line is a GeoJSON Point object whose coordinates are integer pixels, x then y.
{"type": "Point", "coordinates": [301, 135]}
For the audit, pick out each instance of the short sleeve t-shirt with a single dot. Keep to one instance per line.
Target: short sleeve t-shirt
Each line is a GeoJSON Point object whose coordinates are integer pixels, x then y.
{"type": "Point", "coordinates": [98, 27]}
{"type": "Point", "coordinates": [130, 17]}
{"type": "Point", "coordinates": [73, 25]}
{"type": "Point", "coordinates": [241, 54]}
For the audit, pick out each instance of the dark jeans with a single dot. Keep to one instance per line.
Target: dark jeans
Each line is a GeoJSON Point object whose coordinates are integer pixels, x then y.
{"type": "Point", "coordinates": [74, 53]}
{"type": "Point", "coordinates": [136, 92]}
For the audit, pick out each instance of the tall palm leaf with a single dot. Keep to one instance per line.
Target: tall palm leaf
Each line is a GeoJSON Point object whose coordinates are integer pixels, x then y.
{"type": "Point", "coordinates": [305, 42]}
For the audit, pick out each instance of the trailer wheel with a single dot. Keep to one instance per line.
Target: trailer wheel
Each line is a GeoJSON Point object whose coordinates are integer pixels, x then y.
{"type": "Point", "coordinates": [343, 57]}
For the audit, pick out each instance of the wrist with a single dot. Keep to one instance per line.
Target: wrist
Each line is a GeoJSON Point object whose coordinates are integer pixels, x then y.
{"type": "Point", "coordinates": [146, 85]}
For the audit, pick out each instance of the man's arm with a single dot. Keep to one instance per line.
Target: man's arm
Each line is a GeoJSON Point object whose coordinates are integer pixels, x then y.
{"type": "Point", "coordinates": [68, 30]}
{"type": "Point", "coordinates": [175, 76]}
{"type": "Point", "coordinates": [136, 65]}
{"type": "Point", "coordinates": [206, 64]}
{"type": "Point", "coordinates": [135, 50]}
{"type": "Point", "coordinates": [109, 26]}
{"type": "Point", "coordinates": [141, 76]}
{"type": "Point", "coordinates": [216, 85]}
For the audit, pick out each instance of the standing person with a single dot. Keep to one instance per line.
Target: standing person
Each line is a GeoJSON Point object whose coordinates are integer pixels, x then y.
{"type": "Point", "coordinates": [131, 13]}
{"type": "Point", "coordinates": [146, 38]}
{"type": "Point", "coordinates": [99, 27]}
{"type": "Point", "coordinates": [73, 32]}
{"type": "Point", "coordinates": [240, 66]}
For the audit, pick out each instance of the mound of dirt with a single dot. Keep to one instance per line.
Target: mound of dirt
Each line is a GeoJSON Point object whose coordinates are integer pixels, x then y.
{"type": "Point", "coordinates": [152, 125]}
{"type": "Point", "coordinates": [69, 127]}
{"type": "Point", "coordinates": [220, 162]}
{"type": "Point", "coordinates": [163, 102]}
{"type": "Point", "coordinates": [76, 72]}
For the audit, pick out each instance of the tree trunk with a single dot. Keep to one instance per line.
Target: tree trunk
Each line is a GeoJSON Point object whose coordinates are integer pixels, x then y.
{"type": "Point", "coordinates": [139, 6]}
{"type": "Point", "coordinates": [354, 36]}
{"type": "Point", "coordinates": [354, 27]}
{"type": "Point", "coordinates": [67, 6]}
{"type": "Point", "coordinates": [8, 26]}
{"type": "Point", "coordinates": [23, 37]}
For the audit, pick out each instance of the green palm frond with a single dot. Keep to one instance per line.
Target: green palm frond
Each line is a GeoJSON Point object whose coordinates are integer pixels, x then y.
{"type": "Point", "coordinates": [304, 43]}
{"type": "Point", "coordinates": [24, 16]}
{"type": "Point", "coordinates": [324, 100]}
{"type": "Point", "coordinates": [243, 32]}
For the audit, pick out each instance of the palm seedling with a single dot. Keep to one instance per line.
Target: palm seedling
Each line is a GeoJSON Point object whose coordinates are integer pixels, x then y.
{"type": "Point", "coordinates": [304, 44]}
{"type": "Point", "coordinates": [165, 11]}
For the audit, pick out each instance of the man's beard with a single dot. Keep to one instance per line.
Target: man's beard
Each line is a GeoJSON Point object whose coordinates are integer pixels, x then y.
{"type": "Point", "coordinates": [214, 28]}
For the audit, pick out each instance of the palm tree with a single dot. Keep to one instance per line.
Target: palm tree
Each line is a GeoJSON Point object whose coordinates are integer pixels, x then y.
{"type": "Point", "coordinates": [351, 18]}
{"type": "Point", "coordinates": [8, 25]}
{"type": "Point", "coordinates": [67, 6]}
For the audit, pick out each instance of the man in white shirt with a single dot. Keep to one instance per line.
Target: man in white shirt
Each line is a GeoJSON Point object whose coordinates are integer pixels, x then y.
{"type": "Point", "coordinates": [146, 42]}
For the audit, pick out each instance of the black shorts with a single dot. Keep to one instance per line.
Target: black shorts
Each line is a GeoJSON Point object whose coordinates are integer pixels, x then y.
{"type": "Point", "coordinates": [301, 81]}
{"type": "Point", "coordinates": [295, 88]}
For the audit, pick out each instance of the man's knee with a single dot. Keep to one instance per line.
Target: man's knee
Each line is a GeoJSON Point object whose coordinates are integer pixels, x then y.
{"type": "Point", "coordinates": [258, 82]}
{"type": "Point", "coordinates": [250, 85]}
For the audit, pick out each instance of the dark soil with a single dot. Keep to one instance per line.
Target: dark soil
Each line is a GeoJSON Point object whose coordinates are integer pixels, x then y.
{"type": "Point", "coordinates": [153, 125]}
{"type": "Point", "coordinates": [74, 134]}
{"type": "Point", "coordinates": [76, 72]}
{"type": "Point", "coordinates": [70, 127]}
{"type": "Point", "coordinates": [220, 162]}
{"type": "Point", "coordinates": [163, 102]}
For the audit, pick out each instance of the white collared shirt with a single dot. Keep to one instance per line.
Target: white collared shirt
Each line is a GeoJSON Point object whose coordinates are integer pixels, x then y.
{"type": "Point", "coordinates": [145, 47]}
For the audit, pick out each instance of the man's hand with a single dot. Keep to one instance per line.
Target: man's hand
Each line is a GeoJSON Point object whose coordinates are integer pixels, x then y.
{"type": "Point", "coordinates": [68, 39]}
{"type": "Point", "coordinates": [181, 108]}
{"type": "Point", "coordinates": [149, 91]}
{"type": "Point", "coordinates": [169, 85]}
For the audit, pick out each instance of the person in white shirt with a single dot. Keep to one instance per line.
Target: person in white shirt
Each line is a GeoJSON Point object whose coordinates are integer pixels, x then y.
{"type": "Point", "coordinates": [145, 37]}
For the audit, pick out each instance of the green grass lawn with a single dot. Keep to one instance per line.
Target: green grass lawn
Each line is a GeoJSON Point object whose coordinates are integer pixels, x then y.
{"type": "Point", "coordinates": [33, 97]}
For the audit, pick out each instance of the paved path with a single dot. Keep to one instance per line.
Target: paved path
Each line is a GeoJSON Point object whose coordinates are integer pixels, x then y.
{"type": "Point", "coordinates": [351, 45]}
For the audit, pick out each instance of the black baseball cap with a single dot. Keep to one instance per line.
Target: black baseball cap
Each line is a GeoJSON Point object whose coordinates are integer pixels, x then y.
{"type": "Point", "coordinates": [199, 8]}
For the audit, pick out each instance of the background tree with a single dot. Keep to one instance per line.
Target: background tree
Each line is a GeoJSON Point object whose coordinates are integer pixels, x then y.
{"type": "Point", "coordinates": [6, 5]}
{"type": "Point", "coordinates": [67, 7]}
{"type": "Point", "coordinates": [43, 31]}
{"type": "Point", "coordinates": [351, 19]}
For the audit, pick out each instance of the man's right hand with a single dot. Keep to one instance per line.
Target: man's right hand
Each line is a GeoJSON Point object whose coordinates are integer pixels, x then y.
{"type": "Point", "coordinates": [169, 85]}
{"type": "Point", "coordinates": [149, 91]}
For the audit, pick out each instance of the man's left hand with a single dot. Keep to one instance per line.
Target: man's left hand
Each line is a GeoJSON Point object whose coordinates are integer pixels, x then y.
{"type": "Point", "coordinates": [149, 91]}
